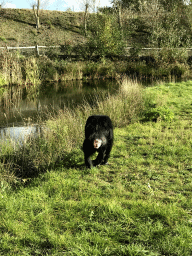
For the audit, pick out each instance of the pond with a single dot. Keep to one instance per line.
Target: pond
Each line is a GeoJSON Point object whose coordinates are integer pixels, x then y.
{"type": "Point", "coordinates": [20, 113]}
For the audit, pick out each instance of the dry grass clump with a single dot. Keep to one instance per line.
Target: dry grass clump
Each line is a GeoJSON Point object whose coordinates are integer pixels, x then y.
{"type": "Point", "coordinates": [125, 106]}
{"type": "Point", "coordinates": [15, 70]}
{"type": "Point", "coordinates": [10, 68]}
{"type": "Point", "coordinates": [66, 129]}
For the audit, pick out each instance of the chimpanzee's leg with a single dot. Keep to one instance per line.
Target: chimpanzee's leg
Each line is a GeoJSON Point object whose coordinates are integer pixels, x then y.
{"type": "Point", "coordinates": [88, 152]}
{"type": "Point", "coordinates": [107, 153]}
{"type": "Point", "coordinates": [88, 162]}
{"type": "Point", "coordinates": [99, 158]}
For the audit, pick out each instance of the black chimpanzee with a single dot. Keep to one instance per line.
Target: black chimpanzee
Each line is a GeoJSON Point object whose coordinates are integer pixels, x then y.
{"type": "Point", "coordinates": [98, 137]}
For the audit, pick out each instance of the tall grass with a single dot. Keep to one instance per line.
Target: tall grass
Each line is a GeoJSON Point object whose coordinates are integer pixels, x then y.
{"type": "Point", "coordinates": [125, 106]}
{"type": "Point", "coordinates": [63, 133]}
{"type": "Point", "coordinates": [10, 69]}
{"type": "Point", "coordinates": [17, 70]}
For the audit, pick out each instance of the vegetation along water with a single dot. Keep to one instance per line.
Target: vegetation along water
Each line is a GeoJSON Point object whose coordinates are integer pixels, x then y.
{"type": "Point", "coordinates": [138, 204]}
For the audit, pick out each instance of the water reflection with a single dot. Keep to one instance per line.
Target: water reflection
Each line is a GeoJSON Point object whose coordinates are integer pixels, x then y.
{"type": "Point", "coordinates": [19, 111]}
{"type": "Point", "coordinates": [18, 134]}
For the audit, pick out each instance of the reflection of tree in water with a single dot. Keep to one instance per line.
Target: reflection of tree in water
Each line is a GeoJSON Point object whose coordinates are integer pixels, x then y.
{"type": "Point", "coordinates": [17, 107]}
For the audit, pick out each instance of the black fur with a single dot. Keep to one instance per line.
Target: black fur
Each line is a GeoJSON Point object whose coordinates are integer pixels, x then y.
{"type": "Point", "coordinates": [98, 127]}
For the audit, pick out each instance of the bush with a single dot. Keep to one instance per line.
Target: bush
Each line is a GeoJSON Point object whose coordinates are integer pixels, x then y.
{"type": "Point", "coordinates": [105, 38]}
{"type": "Point", "coordinates": [171, 56]}
{"type": "Point", "coordinates": [160, 113]}
{"type": "Point", "coordinates": [189, 61]}
{"type": "Point", "coordinates": [47, 69]}
{"type": "Point", "coordinates": [178, 70]}
{"type": "Point", "coordinates": [86, 50]}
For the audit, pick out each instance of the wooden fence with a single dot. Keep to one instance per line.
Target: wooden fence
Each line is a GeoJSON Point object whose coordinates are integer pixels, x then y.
{"type": "Point", "coordinates": [36, 49]}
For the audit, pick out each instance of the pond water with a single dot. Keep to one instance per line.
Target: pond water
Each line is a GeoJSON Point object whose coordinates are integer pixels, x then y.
{"type": "Point", "coordinates": [19, 112]}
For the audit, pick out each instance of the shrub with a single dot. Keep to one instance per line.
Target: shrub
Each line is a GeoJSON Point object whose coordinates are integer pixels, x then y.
{"type": "Point", "coordinates": [171, 56]}
{"type": "Point", "coordinates": [32, 78]}
{"type": "Point", "coordinates": [178, 70]}
{"type": "Point", "coordinates": [160, 113]}
{"type": "Point", "coordinates": [66, 48]}
{"type": "Point", "coordinates": [105, 38]}
{"type": "Point", "coordinates": [11, 68]}
{"type": "Point", "coordinates": [47, 68]}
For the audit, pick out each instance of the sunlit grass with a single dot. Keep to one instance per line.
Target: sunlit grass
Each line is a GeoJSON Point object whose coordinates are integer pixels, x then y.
{"type": "Point", "coordinates": [139, 204]}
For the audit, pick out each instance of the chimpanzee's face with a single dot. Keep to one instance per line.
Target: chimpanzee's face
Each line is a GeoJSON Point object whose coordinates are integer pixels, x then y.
{"type": "Point", "coordinates": [97, 143]}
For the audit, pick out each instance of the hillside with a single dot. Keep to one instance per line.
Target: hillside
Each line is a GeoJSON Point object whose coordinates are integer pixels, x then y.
{"type": "Point", "coordinates": [17, 27]}
{"type": "Point", "coordinates": [105, 39]}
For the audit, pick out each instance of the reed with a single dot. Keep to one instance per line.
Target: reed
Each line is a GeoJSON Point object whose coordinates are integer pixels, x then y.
{"type": "Point", "coordinates": [63, 133]}
{"type": "Point", "coordinates": [10, 67]}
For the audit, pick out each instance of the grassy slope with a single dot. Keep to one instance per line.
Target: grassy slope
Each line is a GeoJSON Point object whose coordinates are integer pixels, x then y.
{"type": "Point", "coordinates": [140, 204]}
{"type": "Point", "coordinates": [17, 27]}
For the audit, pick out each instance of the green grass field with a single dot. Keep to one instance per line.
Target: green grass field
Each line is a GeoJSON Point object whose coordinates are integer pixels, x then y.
{"type": "Point", "coordinates": [139, 204]}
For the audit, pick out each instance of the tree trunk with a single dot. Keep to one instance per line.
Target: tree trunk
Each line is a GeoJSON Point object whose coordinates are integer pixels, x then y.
{"type": "Point", "coordinates": [85, 18]}
{"type": "Point", "coordinates": [36, 12]}
{"type": "Point", "coordinates": [119, 14]}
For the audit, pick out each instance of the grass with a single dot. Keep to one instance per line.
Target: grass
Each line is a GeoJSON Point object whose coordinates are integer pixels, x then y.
{"type": "Point", "coordinates": [139, 204]}
{"type": "Point", "coordinates": [56, 27]}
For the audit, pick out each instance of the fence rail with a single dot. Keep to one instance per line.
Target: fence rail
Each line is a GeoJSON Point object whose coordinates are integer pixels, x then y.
{"type": "Point", "coordinates": [58, 46]}
{"type": "Point", "coordinates": [28, 47]}
{"type": "Point", "coordinates": [38, 47]}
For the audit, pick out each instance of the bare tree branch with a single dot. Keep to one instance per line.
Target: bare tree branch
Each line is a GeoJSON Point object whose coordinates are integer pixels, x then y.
{"type": "Point", "coordinates": [3, 3]}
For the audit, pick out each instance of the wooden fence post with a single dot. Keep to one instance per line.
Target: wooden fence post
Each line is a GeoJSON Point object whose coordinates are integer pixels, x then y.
{"type": "Point", "coordinates": [37, 50]}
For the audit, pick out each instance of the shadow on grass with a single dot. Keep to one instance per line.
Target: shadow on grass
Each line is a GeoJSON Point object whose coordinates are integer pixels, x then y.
{"type": "Point", "coordinates": [70, 160]}
{"type": "Point", "coordinates": [24, 168]}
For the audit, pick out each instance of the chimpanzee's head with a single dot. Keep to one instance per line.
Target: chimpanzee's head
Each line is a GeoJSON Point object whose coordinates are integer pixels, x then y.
{"type": "Point", "coordinates": [98, 142]}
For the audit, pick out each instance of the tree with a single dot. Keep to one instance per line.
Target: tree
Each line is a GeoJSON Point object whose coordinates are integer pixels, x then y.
{"type": "Point", "coordinates": [118, 6]}
{"type": "Point", "coordinates": [85, 17]}
{"type": "Point", "coordinates": [169, 5]}
{"type": "Point", "coordinates": [36, 4]}
{"type": "Point", "coordinates": [87, 5]}
{"type": "Point", "coordinates": [36, 12]}
{"type": "Point", "coordinates": [126, 4]}
{"type": "Point", "coordinates": [136, 4]}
